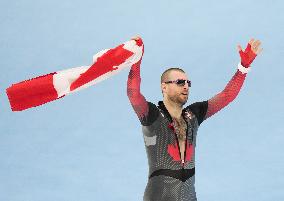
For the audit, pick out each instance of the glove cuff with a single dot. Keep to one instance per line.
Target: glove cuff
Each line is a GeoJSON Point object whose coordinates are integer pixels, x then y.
{"type": "Point", "coordinates": [243, 69]}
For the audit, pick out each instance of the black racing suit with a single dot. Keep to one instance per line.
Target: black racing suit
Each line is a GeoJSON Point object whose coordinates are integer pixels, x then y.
{"type": "Point", "coordinates": [170, 178]}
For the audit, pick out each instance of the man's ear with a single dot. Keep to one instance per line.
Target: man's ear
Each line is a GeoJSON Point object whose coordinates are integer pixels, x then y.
{"type": "Point", "coordinates": [163, 87]}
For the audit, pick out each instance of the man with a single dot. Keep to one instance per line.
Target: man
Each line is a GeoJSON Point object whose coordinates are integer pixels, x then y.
{"type": "Point", "coordinates": [169, 130]}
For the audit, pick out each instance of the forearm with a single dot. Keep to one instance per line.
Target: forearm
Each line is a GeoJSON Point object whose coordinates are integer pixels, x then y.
{"type": "Point", "coordinates": [226, 96]}
{"type": "Point", "coordinates": [137, 100]}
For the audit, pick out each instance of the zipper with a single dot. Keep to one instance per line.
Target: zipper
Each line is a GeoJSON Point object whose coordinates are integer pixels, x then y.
{"type": "Point", "coordinates": [182, 161]}
{"type": "Point", "coordinates": [185, 147]}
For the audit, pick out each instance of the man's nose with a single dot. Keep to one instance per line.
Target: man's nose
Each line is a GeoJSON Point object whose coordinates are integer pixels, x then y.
{"type": "Point", "coordinates": [185, 86]}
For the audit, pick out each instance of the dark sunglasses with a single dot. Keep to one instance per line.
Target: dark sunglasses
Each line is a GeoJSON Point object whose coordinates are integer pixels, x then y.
{"type": "Point", "coordinates": [180, 82]}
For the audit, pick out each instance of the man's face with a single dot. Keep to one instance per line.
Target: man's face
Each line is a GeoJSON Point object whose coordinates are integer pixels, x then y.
{"type": "Point", "coordinates": [174, 92]}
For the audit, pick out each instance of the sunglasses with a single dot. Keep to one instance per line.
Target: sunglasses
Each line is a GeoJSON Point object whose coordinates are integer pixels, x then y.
{"type": "Point", "coordinates": [180, 82]}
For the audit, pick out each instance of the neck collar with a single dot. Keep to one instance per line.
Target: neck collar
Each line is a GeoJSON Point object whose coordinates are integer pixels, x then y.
{"type": "Point", "coordinates": [162, 106]}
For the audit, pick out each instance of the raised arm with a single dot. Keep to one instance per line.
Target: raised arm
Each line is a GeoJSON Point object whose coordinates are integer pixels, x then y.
{"type": "Point", "coordinates": [232, 89]}
{"type": "Point", "coordinates": [137, 100]}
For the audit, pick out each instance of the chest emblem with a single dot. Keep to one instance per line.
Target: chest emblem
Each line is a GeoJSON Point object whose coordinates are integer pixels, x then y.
{"type": "Point", "coordinates": [173, 151]}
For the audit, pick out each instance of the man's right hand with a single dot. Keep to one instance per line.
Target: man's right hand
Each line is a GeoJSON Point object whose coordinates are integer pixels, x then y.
{"type": "Point", "coordinates": [136, 37]}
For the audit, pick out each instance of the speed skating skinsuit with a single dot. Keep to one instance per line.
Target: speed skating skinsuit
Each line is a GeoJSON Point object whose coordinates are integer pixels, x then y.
{"type": "Point", "coordinates": [170, 178]}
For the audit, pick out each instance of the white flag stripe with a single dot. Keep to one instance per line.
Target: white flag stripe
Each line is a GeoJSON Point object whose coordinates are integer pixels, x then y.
{"type": "Point", "coordinates": [62, 80]}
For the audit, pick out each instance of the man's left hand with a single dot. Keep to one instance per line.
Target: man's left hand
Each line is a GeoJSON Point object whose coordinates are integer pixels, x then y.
{"type": "Point", "coordinates": [252, 50]}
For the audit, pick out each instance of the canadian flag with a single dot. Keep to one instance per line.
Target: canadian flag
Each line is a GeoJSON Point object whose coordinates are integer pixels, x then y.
{"type": "Point", "coordinates": [49, 87]}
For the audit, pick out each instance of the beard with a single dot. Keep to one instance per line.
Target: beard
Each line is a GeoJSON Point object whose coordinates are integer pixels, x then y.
{"type": "Point", "coordinates": [179, 99]}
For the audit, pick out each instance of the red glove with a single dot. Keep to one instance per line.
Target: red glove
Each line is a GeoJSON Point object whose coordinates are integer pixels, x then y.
{"type": "Point", "coordinates": [247, 56]}
{"type": "Point", "coordinates": [138, 40]}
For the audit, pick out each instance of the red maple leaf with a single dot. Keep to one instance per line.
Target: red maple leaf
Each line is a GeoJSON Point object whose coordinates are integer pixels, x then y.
{"type": "Point", "coordinates": [174, 151]}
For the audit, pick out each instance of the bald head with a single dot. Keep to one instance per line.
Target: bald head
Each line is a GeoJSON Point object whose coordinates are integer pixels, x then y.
{"type": "Point", "coordinates": [166, 74]}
